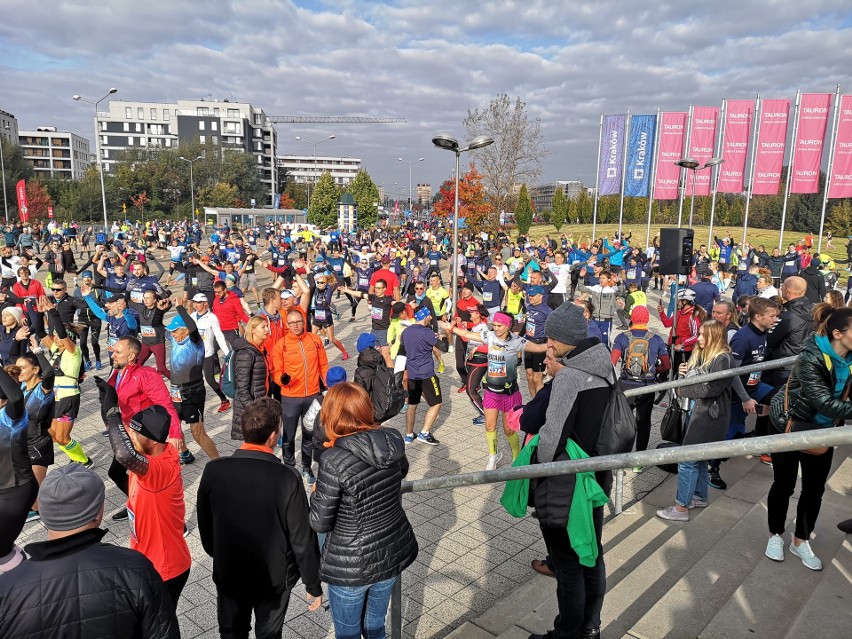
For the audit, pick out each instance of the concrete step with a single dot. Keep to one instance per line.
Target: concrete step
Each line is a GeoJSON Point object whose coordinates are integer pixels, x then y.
{"type": "Point", "coordinates": [695, 598]}
{"type": "Point", "coordinates": [628, 600]}
{"type": "Point", "coordinates": [768, 601]}
{"type": "Point", "coordinates": [830, 606]}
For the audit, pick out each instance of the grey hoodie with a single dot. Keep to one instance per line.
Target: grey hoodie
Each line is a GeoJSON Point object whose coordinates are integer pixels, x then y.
{"type": "Point", "coordinates": [587, 370]}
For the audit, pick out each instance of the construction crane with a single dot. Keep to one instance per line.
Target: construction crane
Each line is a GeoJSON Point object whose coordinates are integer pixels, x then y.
{"type": "Point", "coordinates": [332, 119]}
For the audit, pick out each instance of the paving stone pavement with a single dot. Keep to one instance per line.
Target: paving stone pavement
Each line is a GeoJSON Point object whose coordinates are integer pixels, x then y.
{"type": "Point", "coordinates": [472, 554]}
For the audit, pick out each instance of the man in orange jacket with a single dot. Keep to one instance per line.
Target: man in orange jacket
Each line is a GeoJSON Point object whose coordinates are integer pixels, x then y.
{"type": "Point", "coordinates": [299, 366]}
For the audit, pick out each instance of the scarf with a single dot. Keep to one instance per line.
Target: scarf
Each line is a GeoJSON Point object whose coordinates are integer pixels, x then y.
{"type": "Point", "coordinates": [840, 365]}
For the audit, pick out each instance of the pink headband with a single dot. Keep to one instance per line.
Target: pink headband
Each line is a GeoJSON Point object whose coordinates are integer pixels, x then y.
{"type": "Point", "coordinates": [502, 318]}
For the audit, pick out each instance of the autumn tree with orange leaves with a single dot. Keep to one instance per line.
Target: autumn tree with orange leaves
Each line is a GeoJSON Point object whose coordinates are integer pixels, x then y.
{"type": "Point", "coordinates": [38, 200]}
{"type": "Point", "coordinates": [473, 206]}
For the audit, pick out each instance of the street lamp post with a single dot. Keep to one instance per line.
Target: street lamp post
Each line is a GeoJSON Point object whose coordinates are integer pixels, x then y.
{"type": "Point", "coordinates": [3, 172]}
{"type": "Point", "coordinates": [330, 137]}
{"type": "Point", "coordinates": [98, 149]}
{"type": "Point", "coordinates": [410, 163]}
{"type": "Point", "coordinates": [449, 143]}
{"type": "Point", "coordinates": [192, 183]}
{"type": "Point", "coordinates": [692, 164]}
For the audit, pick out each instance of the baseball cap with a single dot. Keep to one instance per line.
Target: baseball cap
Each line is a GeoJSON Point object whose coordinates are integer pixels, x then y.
{"type": "Point", "coordinates": [422, 313]}
{"type": "Point", "coordinates": [152, 422]}
{"type": "Point", "coordinates": [536, 290]}
{"type": "Point", "coordinates": [385, 260]}
{"type": "Point", "coordinates": [177, 322]}
{"type": "Point", "coordinates": [200, 297]}
{"type": "Point", "coordinates": [287, 294]}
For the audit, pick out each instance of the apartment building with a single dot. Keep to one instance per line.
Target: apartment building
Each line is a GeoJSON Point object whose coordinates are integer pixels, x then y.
{"type": "Point", "coordinates": [307, 168]}
{"type": "Point", "coordinates": [8, 127]}
{"type": "Point", "coordinates": [53, 153]}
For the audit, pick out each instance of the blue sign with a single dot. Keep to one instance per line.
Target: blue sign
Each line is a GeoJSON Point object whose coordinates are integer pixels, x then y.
{"type": "Point", "coordinates": [640, 154]}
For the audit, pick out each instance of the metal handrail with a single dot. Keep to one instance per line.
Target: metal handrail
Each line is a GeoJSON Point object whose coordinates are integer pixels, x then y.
{"type": "Point", "coordinates": [698, 452]}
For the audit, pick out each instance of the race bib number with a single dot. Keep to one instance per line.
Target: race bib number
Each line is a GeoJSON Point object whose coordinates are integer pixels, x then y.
{"type": "Point", "coordinates": [136, 297]}
{"type": "Point", "coordinates": [338, 267]}
{"type": "Point", "coordinates": [131, 519]}
{"type": "Point", "coordinates": [433, 262]}
{"type": "Point", "coordinates": [320, 315]}
{"type": "Point", "coordinates": [363, 281]}
{"type": "Point", "coordinates": [631, 274]}
{"type": "Point", "coordinates": [574, 262]}
{"type": "Point", "coordinates": [531, 328]}
{"type": "Point", "coordinates": [174, 393]}
{"type": "Point", "coordinates": [486, 296]}
{"type": "Point", "coordinates": [194, 281]}
{"type": "Point", "coordinates": [281, 261]}
{"type": "Point", "coordinates": [519, 317]}
{"type": "Point", "coordinates": [147, 331]}
{"type": "Point", "coordinates": [496, 369]}
{"type": "Point", "coordinates": [376, 313]}
{"type": "Point", "coordinates": [754, 378]}
{"type": "Point", "coordinates": [202, 332]}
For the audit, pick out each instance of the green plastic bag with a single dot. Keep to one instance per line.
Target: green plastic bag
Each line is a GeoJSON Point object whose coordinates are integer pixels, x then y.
{"type": "Point", "coordinates": [516, 494]}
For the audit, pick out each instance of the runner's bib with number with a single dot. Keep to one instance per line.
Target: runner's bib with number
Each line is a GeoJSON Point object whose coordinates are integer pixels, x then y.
{"type": "Point", "coordinates": [320, 315]}
{"type": "Point", "coordinates": [136, 296]}
{"type": "Point", "coordinates": [174, 393]}
{"type": "Point", "coordinates": [363, 281]}
{"type": "Point", "coordinates": [497, 369]}
{"type": "Point", "coordinates": [376, 313]}
{"type": "Point", "coordinates": [147, 331]}
{"type": "Point", "coordinates": [487, 296]}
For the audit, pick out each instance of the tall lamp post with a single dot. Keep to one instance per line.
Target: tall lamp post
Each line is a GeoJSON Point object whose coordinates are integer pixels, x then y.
{"type": "Point", "coordinates": [192, 183]}
{"type": "Point", "coordinates": [98, 149]}
{"type": "Point", "coordinates": [410, 163]}
{"type": "Point", "coordinates": [692, 164]}
{"type": "Point", "coordinates": [3, 172]}
{"type": "Point", "coordinates": [301, 139]}
{"type": "Point", "coordinates": [449, 143]}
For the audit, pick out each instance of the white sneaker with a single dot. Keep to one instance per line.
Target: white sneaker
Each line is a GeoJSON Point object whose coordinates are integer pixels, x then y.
{"type": "Point", "coordinates": [775, 548]}
{"type": "Point", "coordinates": [492, 461]}
{"type": "Point", "coordinates": [804, 552]}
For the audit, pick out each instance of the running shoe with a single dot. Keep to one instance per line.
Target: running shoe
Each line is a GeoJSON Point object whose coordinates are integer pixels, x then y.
{"type": "Point", "coordinates": [765, 458]}
{"type": "Point", "coordinates": [697, 502]}
{"type": "Point", "coordinates": [716, 480]}
{"type": "Point", "coordinates": [121, 515]}
{"type": "Point", "coordinates": [186, 457]}
{"type": "Point", "coordinates": [775, 548]}
{"type": "Point", "coordinates": [638, 469]}
{"type": "Point", "coordinates": [409, 438]}
{"type": "Point", "coordinates": [463, 389]}
{"type": "Point", "coordinates": [224, 406]}
{"type": "Point", "coordinates": [492, 461]}
{"type": "Point", "coordinates": [441, 367]}
{"type": "Point", "coordinates": [33, 516]}
{"type": "Point", "coordinates": [803, 551]}
{"type": "Point", "coordinates": [87, 366]}
{"type": "Point", "coordinates": [309, 477]}
{"type": "Point", "coordinates": [427, 438]}
{"type": "Point", "coordinates": [185, 531]}
{"type": "Point", "coordinates": [479, 421]}
{"type": "Point", "coordinates": [345, 356]}
{"type": "Point", "coordinates": [673, 514]}
{"type": "Point", "coordinates": [89, 463]}
{"type": "Point", "coordinates": [98, 365]}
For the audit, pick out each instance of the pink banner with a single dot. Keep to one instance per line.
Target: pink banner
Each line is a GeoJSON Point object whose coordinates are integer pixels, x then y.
{"type": "Point", "coordinates": [738, 122]}
{"type": "Point", "coordinates": [771, 143]}
{"type": "Point", "coordinates": [23, 208]}
{"type": "Point", "coordinates": [672, 134]}
{"type": "Point", "coordinates": [702, 145]}
{"type": "Point", "coordinates": [841, 169]}
{"type": "Point", "coordinates": [809, 142]}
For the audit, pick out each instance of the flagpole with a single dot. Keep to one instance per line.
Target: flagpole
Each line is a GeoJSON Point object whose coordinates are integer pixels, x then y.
{"type": "Point", "coordinates": [755, 134]}
{"type": "Point", "coordinates": [714, 176]}
{"type": "Point", "coordinates": [834, 128]}
{"type": "Point", "coordinates": [625, 142]}
{"type": "Point", "coordinates": [597, 183]}
{"type": "Point", "coordinates": [652, 185]}
{"type": "Point", "coordinates": [789, 172]}
{"type": "Point", "coordinates": [684, 153]}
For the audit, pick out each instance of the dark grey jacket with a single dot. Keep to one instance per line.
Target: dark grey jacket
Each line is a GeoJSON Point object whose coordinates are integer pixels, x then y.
{"type": "Point", "coordinates": [712, 410]}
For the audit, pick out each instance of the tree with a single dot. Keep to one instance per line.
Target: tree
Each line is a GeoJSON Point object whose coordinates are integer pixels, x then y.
{"type": "Point", "coordinates": [474, 208]}
{"type": "Point", "coordinates": [366, 195]}
{"type": "Point", "coordinates": [517, 152]}
{"type": "Point", "coordinates": [298, 193]}
{"type": "Point", "coordinates": [38, 200]}
{"type": "Point", "coordinates": [16, 168]}
{"type": "Point", "coordinates": [584, 207]}
{"type": "Point", "coordinates": [839, 220]}
{"type": "Point", "coordinates": [523, 211]}
{"type": "Point", "coordinates": [560, 208]}
{"type": "Point", "coordinates": [323, 208]}
{"type": "Point", "coordinates": [220, 194]}
{"type": "Point", "coordinates": [286, 202]}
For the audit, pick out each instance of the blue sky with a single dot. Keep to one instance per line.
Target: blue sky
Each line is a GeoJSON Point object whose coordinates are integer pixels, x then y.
{"type": "Point", "coordinates": [428, 62]}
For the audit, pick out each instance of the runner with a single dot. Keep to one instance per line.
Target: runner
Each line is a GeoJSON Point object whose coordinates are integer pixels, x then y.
{"type": "Point", "coordinates": [208, 327]}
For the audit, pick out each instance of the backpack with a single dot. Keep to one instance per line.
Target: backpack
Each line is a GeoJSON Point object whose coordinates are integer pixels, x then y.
{"type": "Point", "coordinates": [618, 427]}
{"type": "Point", "coordinates": [227, 378]}
{"type": "Point", "coordinates": [637, 361]}
{"type": "Point", "coordinates": [100, 238]}
{"type": "Point", "coordinates": [387, 394]}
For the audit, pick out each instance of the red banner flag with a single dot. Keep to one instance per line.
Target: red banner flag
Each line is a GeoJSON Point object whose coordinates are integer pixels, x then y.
{"type": "Point", "coordinates": [841, 168]}
{"type": "Point", "coordinates": [738, 122]}
{"type": "Point", "coordinates": [771, 142]}
{"type": "Point", "coordinates": [702, 143]}
{"type": "Point", "coordinates": [672, 130]}
{"type": "Point", "coordinates": [23, 209]}
{"type": "Point", "coordinates": [809, 142]}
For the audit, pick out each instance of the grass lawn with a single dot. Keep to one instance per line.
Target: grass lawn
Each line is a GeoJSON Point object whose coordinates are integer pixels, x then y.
{"type": "Point", "coordinates": [767, 237]}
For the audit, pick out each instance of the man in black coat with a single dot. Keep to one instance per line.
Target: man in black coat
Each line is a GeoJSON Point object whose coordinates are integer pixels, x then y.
{"type": "Point", "coordinates": [253, 521]}
{"type": "Point", "coordinates": [73, 584]}
{"type": "Point", "coordinates": [814, 280]}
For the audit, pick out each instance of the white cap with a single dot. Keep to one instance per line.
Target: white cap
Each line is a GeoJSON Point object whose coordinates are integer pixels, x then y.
{"type": "Point", "coordinates": [200, 297]}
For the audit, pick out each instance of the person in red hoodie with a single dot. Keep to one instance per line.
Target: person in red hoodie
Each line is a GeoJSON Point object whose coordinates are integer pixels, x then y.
{"type": "Point", "coordinates": [138, 387]}
{"type": "Point", "coordinates": [229, 311]}
{"type": "Point", "coordinates": [27, 287]}
{"type": "Point", "coordinates": [684, 325]}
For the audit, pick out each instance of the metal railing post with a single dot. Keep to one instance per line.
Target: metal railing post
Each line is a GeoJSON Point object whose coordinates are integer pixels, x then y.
{"type": "Point", "coordinates": [396, 609]}
{"type": "Point", "coordinates": [619, 490]}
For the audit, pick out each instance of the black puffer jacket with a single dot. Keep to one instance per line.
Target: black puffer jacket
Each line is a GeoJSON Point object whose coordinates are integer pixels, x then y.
{"type": "Point", "coordinates": [250, 378]}
{"type": "Point", "coordinates": [79, 587]}
{"type": "Point", "coordinates": [368, 361]}
{"type": "Point", "coordinates": [812, 389]}
{"type": "Point", "coordinates": [789, 335]}
{"type": "Point", "coordinates": [357, 501]}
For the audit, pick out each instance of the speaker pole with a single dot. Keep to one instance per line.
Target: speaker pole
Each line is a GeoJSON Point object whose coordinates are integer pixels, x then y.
{"type": "Point", "coordinates": [597, 184]}
{"type": "Point", "coordinates": [653, 184]}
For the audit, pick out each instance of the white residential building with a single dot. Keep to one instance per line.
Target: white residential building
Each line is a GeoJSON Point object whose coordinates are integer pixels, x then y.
{"type": "Point", "coordinates": [307, 168]}
{"type": "Point", "coordinates": [54, 153]}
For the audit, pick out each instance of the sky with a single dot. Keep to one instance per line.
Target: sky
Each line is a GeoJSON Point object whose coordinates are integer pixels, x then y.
{"type": "Point", "coordinates": [425, 61]}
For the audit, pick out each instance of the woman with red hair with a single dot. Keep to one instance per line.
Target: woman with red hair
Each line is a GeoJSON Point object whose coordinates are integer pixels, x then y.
{"type": "Point", "coordinates": [357, 501]}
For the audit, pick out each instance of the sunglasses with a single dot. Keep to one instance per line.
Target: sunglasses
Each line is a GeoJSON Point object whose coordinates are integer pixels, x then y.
{"type": "Point", "coordinates": [58, 290]}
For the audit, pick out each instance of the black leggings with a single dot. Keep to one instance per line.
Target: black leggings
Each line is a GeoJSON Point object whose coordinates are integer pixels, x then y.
{"type": "Point", "coordinates": [293, 409]}
{"type": "Point", "coordinates": [15, 504]}
{"type": "Point", "coordinates": [175, 586]}
{"type": "Point", "coordinates": [461, 353]}
{"type": "Point", "coordinates": [208, 366]}
{"type": "Point", "coordinates": [95, 328]}
{"type": "Point", "coordinates": [476, 369]}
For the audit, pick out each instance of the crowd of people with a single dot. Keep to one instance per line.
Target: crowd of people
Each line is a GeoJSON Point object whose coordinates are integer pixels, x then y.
{"type": "Point", "coordinates": [575, 314]}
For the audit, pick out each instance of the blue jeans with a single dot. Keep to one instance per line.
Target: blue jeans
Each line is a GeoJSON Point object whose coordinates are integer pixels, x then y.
{"type": "Point", "coordinates": [348, 609]}
{"type": "Point", "coordinates": [738, 415]}
{"type": "Point", "coordinates": [692, 481]}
